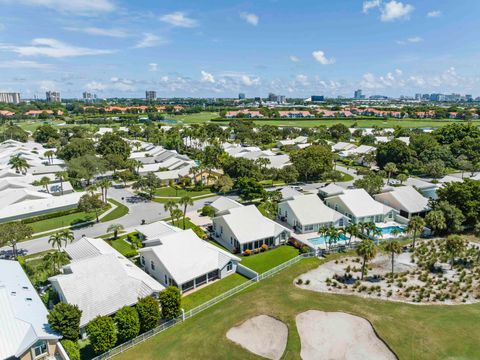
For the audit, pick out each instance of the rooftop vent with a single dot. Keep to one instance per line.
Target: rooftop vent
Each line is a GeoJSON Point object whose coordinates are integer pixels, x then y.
{"type": "Point", "coordinates": [28, 299]}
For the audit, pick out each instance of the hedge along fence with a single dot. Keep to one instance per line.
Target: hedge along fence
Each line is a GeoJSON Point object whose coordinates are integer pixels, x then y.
{"type": "Point", "coordinates": [190, 313]}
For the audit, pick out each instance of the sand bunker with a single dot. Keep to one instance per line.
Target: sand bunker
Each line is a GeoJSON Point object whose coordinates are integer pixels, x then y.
{"type": "Point", "coordinates": [262, 335]}
{"type": "Point", "coordinates": [336, 335]}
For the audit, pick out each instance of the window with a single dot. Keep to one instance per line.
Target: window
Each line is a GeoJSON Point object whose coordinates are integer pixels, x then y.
{"type": "Point", "coordinates": [166, 280]}
{"type": "Point", "coordinates": [40, 348]}
{"type": "Point", "coordinates": [229, 266]}
{"type": "Point", "coordinates": [152, 265]}
{"type": "Point", "coordinates": [142, 260]}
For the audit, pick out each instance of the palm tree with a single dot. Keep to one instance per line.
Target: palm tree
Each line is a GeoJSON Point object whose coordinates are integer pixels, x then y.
{"type": "Point", "coordinates": [185, 201]}
{"type": "Point", "coordinates": [402, 178]}
{"type": "Point", "coordinates": [14, 232]}
{"type": "Point", "coordinates": [176, 216]}
{"type": "Point", "coordinates": [393, 247]}
{"type": "Point", "coordinates": [62, 176]}
{"type": "Point", "coordinates": [45, 181]}
{"type": "Point", "coordinates": [352, 230]}
{"type": "Point", "coordinates": [367, 250]}
{"type": "Point", "coordinates": [436, 221]}
{"type": "Point", "coordinates": [415, 226]}
{"type": "Point", "coordinates": [134, 165]}
{"type": "Point", "coordinates": [115, 228]}
{"type": "Point", "coordinates": [67, 235]}
{"type": "Point", "coordinates": [390, 168]}
{"type": "Point", "coordinates": [49, 154]}
{"type": "Point", "coordinates": [334, 235]}
{"type": "Point", "coordinates": [54, 260]}
{"type": "Point", "coordinates": [104, 184]}
{"type": "Point", "coordinates": [454, 244]}
{"type": "Point", "coordinates": [61, 237]}
{"type": "Point", "coordinates": [169, 206]}
{"type": "Point", "coordinates": [19, 164]}
{"type": "Point", "coordinates": [91, 189]}
{"type": "Point", "coordinates": [322, 231]}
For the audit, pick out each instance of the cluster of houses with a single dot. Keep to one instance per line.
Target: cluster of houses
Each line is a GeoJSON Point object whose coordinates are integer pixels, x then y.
{"type": "Point", "coordinates": [275, 159]}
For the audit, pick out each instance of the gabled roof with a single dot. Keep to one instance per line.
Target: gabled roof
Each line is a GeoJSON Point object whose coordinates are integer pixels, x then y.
{"type": "Point", "coordinates": [23, 317]}
{"type": "Point", "coordinates": [361, 204]}
{"type": "Point", "coordinates": [343, 146]}
{"type": "Point", "coordinates": [223, 203]}
{"type": "Point", "coordinates": [156, 229]}
{"type": "Point", "coordinates": [185, 256]}
{"type": "Point", "coordinates": [404, 198]}
{"type": "Point", "coordinates": [309, 209]}
{"type": "Point", "coordinates": [331, 190]}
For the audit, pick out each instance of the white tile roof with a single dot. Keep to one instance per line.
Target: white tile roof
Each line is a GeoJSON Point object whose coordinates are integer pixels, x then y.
{"type": "Point", "coordinates": [309, 209]}
{"type": "Point", "coordinates": [156, 229]}
{"type": "Point", "coordinates": [331, 189]}
{"type": "Point", "coordinates": [343, 146]}
{"type": "Point", "coordinates": [185, 256]}
{"type": "Point", "coordinates": [223, 203]}
{"type": "Point", "coordinates": [361, 204]}
{"type": "Point", "coordinates": [404, 198]}
{"type": "Point", "coordinates": [22, 321]}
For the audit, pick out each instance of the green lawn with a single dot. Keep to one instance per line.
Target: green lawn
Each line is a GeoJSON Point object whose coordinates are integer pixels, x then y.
{"type": "Point", "coordinates": [118, 212]}
{"type": "Point", "coordinates": [194, 118]}
{"type": "Point", "coordinates": [121, 245]}
{"type": "Point", "coordinates": [412, 331]}
{"type": "Point", "coordinates": [269, 259]}
{"type": "Point", "coordinates": [171, 192]}
{"type": "Point", "coordinates": [198, 297]}
{"type": "Point", "coordinates": [61, 221]}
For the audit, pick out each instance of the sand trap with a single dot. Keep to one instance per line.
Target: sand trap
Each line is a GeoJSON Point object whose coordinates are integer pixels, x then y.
{"type": "Point", "coordinates": [262, 335]}
{"type": "Point", "coordinates": [336, 335]}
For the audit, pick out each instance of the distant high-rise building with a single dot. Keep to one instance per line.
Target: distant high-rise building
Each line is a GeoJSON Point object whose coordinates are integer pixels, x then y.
{"type": "Point", "coordinates": [418, 96]}
{"type": "Point", "coordinates": [10, 97]}
{"type": "Point", "coordinates": [468, 97]}
{"type": "Point", "coordinates": [258, 99]}
{"type": "Point", "coordinates": [241, 96]}
{"type": "Point", "coordinates": [53, 96]}
{"type": "Point", "coordinates": [281, 99]}
{"type": "Point", "coordinates": [315, 98]}
{"type": "Point", "coordinates": [358, 94]}
{"type": "Point", "coordinates": [150, 95]}
{"type": "Point", "coordinates": [88, 96]}
{"type": "Point", "coordinates": [272, 97]}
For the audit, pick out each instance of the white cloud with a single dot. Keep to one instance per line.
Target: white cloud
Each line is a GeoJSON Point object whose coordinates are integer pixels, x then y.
{"type": "Point", "coordinates": [207, 77]}
{"type": "Point", "coordinates": [114, 84]}
{"type": "Point", "coordinates": [394, 10]}
{"type": "Point", "coordinates": [117, 33]}
{"type": "Point", "coordinates": [79, 7]}
{"type": "Point", "coordinates": [411, 40]}
{"type": "Point", "coordinates": [302, 79]}
{"type": "Point", "coordinates": [434, 14]}
{"type": "Point", "coordinates": [53, 48]}
{"type": "Point", "coordinates": [152, 67]}
{"type": "Point", "coordinates": [370, 4]}
{"type": "Point", "coordinates": [150, 40]}
{"type": "Point", "coordinates": [294, 58]}
{"type": "Point", "coordinates": [47, 85]}
{"type": "Point", "coordinates": [23, 64]}
{"type": "Point", "coordinates": [321, 58]}
{"type": "Point", "coordinates": [179, 19]}
{"type": "Point", "coordinates": [250, 18]}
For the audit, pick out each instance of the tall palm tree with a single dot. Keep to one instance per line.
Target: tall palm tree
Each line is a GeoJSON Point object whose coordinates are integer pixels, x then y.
{"type": "Point", "coordinates": [176, 216]}
{"type": "Point", "coordinates": [334, 235]}
{"type": "Point", "coordinates": [393, 247]}
{"type": "Point", "coordinates": [322, 231]}
{"type": "Point", "coordinates": [45, 181]}
{"type": "Point", "coordinates": [104, 184]}
{"type": "Point", "coordinates": [57, 239]}
{"type": "Point", "coordinates": [367, 250]}
{"type": "Point", "coordinates": [115, 228]}
{"type": "Point", "coordinates": [62, 176]}
{"type": "Point", "coordinates": [53, 260]}
{"type": "Point", "coordinates": [67, 236]}
{"type": "Point", "coordinates": [169, 206]}
{"type": "Point", "coordinates": [18, 163]}
{"type": "Point", "coordinates": [185, 201]}
{"type": "Point", "coordinates": [415, 226]}
{"type": "Point", "coordinates": [352, 230]}
{"type": "Point", "coordinates": [390, 168]}
{"type": "Point", "coordinates": [49, 154]}
{"type": "Point", "coordinates": [454, 244]}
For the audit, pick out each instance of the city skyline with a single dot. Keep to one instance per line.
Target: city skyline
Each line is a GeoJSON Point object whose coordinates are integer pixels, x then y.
{"type": "Point", "coordinates": [115, 48]}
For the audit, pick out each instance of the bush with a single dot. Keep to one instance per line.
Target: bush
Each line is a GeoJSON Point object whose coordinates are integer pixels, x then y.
{"type": "Point", "coordinates": [72, 349]}
{"type": "Point", "coordinates": [264, 247]}
{"type": "Point", "coordinates": [65, 319]}
{"type": "Point", "coordinates": [299, 281]}
{"type": "Point", "coordinates": [170, 302]}
{"type": "Point", "coordinates": [207, 210]}
{"type": "Point", "coordinates": [148, 313]}
{"type": "Point", "coordinates": [101, 333]}
{"type": "Point", "coordinates": [128, 324]}
{"type": "Point", "coordinates": [247, 252]}
{"type": "Point", "coordinates": [304, 249]}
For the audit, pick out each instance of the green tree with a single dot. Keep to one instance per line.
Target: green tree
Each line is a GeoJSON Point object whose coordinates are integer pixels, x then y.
{"type": "Point", "coordinates": [393, 247]}
{"type": "Point", "coordinates": [128, 323]}
{"type": "Point", "coordinates": [464, 196]}
{"type": "Point", "coordinates": [454, 245]}
{"type": "Point", "coordinates": [208, 210]}
{"type": "Point", "coordinates": [312, 162]}
{"type": "Point", "coordinates": [435, 168]}
{"type": "Point", "coordinates": [89, 203]}
{"type": "Point", "coordinates": [402, 178]}
{"type": "Point", "coordinates": [170, 302]}
{"type": "Point", "coordinates": [224, 184]}
{"type": "Point", "coordinates": [148, 313]}
{"type": "Point", "coordinates": [45, 181]}
{"type": "Point", "coordinates": [177, 215]}
{"type": "Point", "coordinates": [453, 216]}
{"type": "Point", "coordinates": [14, 232]}
{"type": "Point", "coordinates": [367, 250]}
{"type": "Point", "coordinates": [112, 143]}
{"type": "Point", "coordinates": [54, 260]}
{"type": "Point", "coordinates": [104, 185]}
{"type": "Point", "coordinates": [249, 188]}
{"type": "Point", "coordinates": [185, 201]}
{"type": "Point", "coordinates": [371, 183]}
{"type": "Point", "coordinates": [390, 168]}
{"type": "Point", "coordinates": [85, 167]}
{"type": "Point", "coordinates": [288, 174]}
{"type": "Point", "coordinates": [115, 228]}
{"type": "Point", "coordinates": [169, 206]}
{"type": "Point", "coordinates": [43, 133]}
{"type": "Point", "coordinates": [352, 230]}
{"type": "Point", "coordinates": [101, 333]}
{"type": "Point", "coordinates": [61, 176]}
{"type": "Point", "coordinates": [396, 152]}
{"type": "Point", "coordinates": [76, 147]}
{"type": "Point", "coordinates": [72, 349]}
{"type": "Point", "coordinates": [436, 221]}
{"type": "Point", "coordinates": [415, 227]}
{"type": "Point", "coordinates": [148, 184]}
{"type": "Point", "coordinates": [65, 319]}
{"type": "Point", "coordinates": [61, 238]}
{"type": "Point", "coordinates": [19, 164]}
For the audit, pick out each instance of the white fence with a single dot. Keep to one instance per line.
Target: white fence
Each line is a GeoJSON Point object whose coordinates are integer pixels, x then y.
{"type": "Point", "coordinates": [190, 313]}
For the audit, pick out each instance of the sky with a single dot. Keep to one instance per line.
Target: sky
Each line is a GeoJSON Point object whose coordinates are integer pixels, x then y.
{"type": "Point", "coordinates": [120, 48]}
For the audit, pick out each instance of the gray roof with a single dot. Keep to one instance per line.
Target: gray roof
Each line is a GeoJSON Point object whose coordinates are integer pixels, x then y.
{"type": "Point", "coordinates": [309, 209]}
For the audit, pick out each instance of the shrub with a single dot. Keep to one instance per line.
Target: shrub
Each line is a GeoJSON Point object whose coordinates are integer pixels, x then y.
{"type": "Point", "coordinates": [148, 313]}
{"type": "Point", "coordinates": [299, 281]}
{"type": "Point", "coordinates": [304, 249]}
{"type": "Point", "coordinates": [207, 210]}
{"type": "Point", "coordinates": [72, 349]}
{"type": "Point", "coordinates": [101, 333]}
{"type": "Point", "coordinates": [170, 302]}
{"type": "Point", "coordinates": [307, 282]}
{"type": "Point", "coordinates": [264, 247]}
{"type": "Point", "coordinates": [247, 252]}
{"type": "Point", "coordinates": [128, 324]}
{"type": "Point", "coordinates": [257, 250]}
{"type": "Point", "coordinates": [65, 319]}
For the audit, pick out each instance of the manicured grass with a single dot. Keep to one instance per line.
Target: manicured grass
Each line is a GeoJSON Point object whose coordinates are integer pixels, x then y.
{"type": "Point", "coordinates": [122, 246]}
{"type": "Point", "coordinates": [193, 118]}
{"type": "Point", "coordinates": [171, 192]}
{"type": "Point", "coordinates": [346, 177]}
{"type": "Point", "coordinates": [188, 225]}
{"type": "Point", "coordinates": [118, 212]}
{"type": "Point", "coordinates": [61, 221]}
{"type": "Point", "coordinates": [412, 331]}
{"type": "Point", "coordinates": [270, 258]}
{"type": "Point", "coordinates": [198, 297]}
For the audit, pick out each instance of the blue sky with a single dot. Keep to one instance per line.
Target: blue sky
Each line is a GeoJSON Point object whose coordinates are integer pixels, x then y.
{"type": "Point", "coordinates": [219, 48]}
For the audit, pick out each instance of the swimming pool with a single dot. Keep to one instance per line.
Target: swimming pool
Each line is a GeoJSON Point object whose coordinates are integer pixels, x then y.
{"type": "Point", "coordinates": [322, 240]}
{"type": "Point", "coordinates": [390, 230]}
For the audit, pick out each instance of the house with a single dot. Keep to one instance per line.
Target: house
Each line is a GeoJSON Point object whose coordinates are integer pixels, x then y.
{"type": "Point", "coordinates": [295, 114]}
{"type": "Point", "coordinates": [242, 228]}
{"type": "Point", "coordinates": [100, 280]}
{"type": "Point", "coordinates": [244, 113]}
{"type": "Point", "coordinates": [224, 204]}
{"type": "Point", "coordinates": [360, 207]}
{"type": "Point", "coordinates": [151, 232]}
{"type": "Point", "coordinates": [307, 213]}
{"type": "Point", "coordinates": [24, 330]}
{"type": "Point", "coordinates": [183, 260]}
{"type": "Point", "coordinates": [427, 189]}
{"type": "Point", "coordinates": [343, 146]}
{"type": "Point", "coordinates": [289, 192]}
{"type": "Point", "coordinates": [297, 140]}
{"type": "Point", "coordinates": [406, 199]}
{"type": "Point", "coordinates": [330, 190]}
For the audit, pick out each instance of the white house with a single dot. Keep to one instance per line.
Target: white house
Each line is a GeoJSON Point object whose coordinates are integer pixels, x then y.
{"type": "Point", "coordinates": [149, 234]}
{"type": "Point", "coordinates": [360, 207]}
{"type": "Point", "coordinates": [307, 213]}
{"type": "Point", "coordinates": [242, 228]}
{"type": "Point", "coordinates": [100, 280]}
{"type": "Point", "coordinates": [343, 146]}
{"type": "Point", "coordinates": [183, 260]}
{"type": "Point", "coordinates": [24, 330]}
{"type": "Point", "coordinates": [223, 204]}
{"type": "Point", "coordinates": [406, 199]}
{"type": "Point", "coordinates": [330, 190]}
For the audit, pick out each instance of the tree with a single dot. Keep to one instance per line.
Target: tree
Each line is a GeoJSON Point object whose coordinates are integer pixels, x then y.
{"type": "Point", "coordinates": [65, 319]}
{"type": "Point", "coordinates": [101, 333]}
{"type": "Point", "coordinates": [390, 168]}
{"type": "Point", "coordinates": [62, 176]}
{"type": "Point", "coordinates": [148, 184]}
{"type": "Point", "coordinates": [454, 244]}
{"type": "Point", "coordinates": [435, 221]}
{"type": "Point", "coordinates": [76, 147]}
{"type": "Point", "coordinates": [402, 178]}
{"type": "Point", "coordinates": [288, 174]}
{"type": "Point", "coordinates": [249, 188]}
{"type": "Point", "coordinates": [61, 237]}
{"type": "Point", "coordinates": [49, 154]}
{"type": "Point", "coordinates": [13, 233]}
{"type": "Point", "coordinates": [435, 168]}
{"type": "Point", "coordinates": [393, 247]}
{"type": "Point", "coordinates": [43, 133]}
{"type": "Point", "coordinates": [45, 181]}
{"type": "Point", "coordinates": [169, 206]}
{"type": "Point", "coordinates": [104, 184]}
{"type": "Point", "coordinates": [54, 260]}
{"type": "Point", "coordinates": [352, 230]}
{"type": "Point", "coordinates": [371, 183]}
{"type": "Point", "coordinates": [72, 349]}
{"type": "Point", "coordinates": [185, 201]}
{"type": "Point", "coordinates": [115, 228]}
{"type": "Point", "coordinates": [224, 184]}
{"type": "Point", "coordinates": [170, 302]}
{"type": "Point", "coordinates": [465, 196]}
{"type": "Point", "coordinates": [112, 143]}
{"type": "Point", "coordinates": [124, 176]}
{"type": "Point", "coordinates": [128, 323]}
{"type": "Point", "coordinates": [177, 215]}
{"type": "Point", "coordinates": [208, 210]}
{"type": "Point", "coordinates": [19, 164]}
{"type": "Point", "coordinates": [312, 162]}
{"type": "Point", "coordinates": [367, 250]}
{"type": "Point", "coordinates": [85, 167]}
{"type": "Point", "coordinates": [453, 216]}
{"type": "Point", "coordinates": [333, 235]}
{"type": "Point", "coordinates": [90, 202]}
{"type": "Point", "coordinates": [396, 152]}
{"type": "Point", "coordinates": [148, 313]}
{"type": "Point", "coordinates": [415, 226]}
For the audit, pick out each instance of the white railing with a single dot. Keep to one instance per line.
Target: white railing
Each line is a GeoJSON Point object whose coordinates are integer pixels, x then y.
{"type": "Point", "coordinates": [190, 313]}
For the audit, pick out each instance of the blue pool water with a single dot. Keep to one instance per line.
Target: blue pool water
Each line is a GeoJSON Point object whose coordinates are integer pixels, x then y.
{"type": "Point", "coordinates": [390, 229]}
{"type": "Point", "coordinates": [321, 240]}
